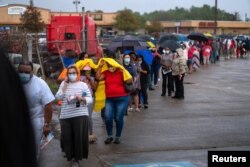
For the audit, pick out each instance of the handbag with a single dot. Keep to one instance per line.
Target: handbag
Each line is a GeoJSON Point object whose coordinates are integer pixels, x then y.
{"type": "Point", "coordinates": [129, 87]}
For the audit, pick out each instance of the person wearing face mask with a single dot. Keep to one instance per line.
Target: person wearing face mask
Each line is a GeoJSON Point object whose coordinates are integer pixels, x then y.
{"type": "Point", "coordinates": [117, 98]}
{"type": "Point", "coordinates": [75, 96]}
{"type": "Point", "coordinates": [167, 78]}
{"type": "Point", "coordinates": [178, 71]}
{"type": "Point", "coordinates": [39, 97]}
{"type": "Point", "coordinates": [155, 67]}
{"type": "Point", "coordinates": [87, 77]}
{"type": "Point", "coordinates": [131, 68]}
{"type": "Point", "coordinates": [144, 71]}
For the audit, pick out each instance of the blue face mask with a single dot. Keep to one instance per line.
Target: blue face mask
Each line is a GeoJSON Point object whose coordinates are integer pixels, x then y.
{"type": "Point", "coordinates": [25, 78]}
{"type": "Point", "coordinates": [126, 61]}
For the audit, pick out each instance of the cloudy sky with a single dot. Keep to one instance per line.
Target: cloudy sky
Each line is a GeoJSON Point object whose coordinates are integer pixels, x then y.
{"type": "Point", "coordinates": [232, 6]}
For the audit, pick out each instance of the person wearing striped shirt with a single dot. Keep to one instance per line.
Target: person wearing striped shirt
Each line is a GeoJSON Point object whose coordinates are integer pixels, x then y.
{"type": "Point", "coordinates": [75, 96]}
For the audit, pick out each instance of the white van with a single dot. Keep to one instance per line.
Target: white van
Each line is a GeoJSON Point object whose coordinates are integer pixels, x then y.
{"type": "Point", "coordinates": [16, 59]}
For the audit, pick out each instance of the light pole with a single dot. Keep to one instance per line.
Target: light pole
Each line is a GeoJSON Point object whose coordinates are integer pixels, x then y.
{"type": "Point", "coordinates": [76, 2]}
{"type": "Point", "coordinates": [215, 17]}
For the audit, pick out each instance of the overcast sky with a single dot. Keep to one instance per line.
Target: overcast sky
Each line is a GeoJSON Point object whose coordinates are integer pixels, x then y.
{"type": "Point", "coordinates": [232, 6]}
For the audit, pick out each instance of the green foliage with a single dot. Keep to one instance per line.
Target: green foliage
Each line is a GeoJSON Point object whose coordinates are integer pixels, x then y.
{"type": "Point", "coordinates": [142, 20]}
{"type": "Point", "coordinates": [31, 19]}
{"type": "Point", "coordinates": [155, 26]}
{"type": "Point", "coordinates": [127, 21]}
{"type": "Point", "coordinates": [52, 85]}
{"type": "Point", "coordinates": [205, 12]}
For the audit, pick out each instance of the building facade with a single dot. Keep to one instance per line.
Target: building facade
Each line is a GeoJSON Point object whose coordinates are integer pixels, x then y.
{"type": "Point", "coordinates": [10, 18]}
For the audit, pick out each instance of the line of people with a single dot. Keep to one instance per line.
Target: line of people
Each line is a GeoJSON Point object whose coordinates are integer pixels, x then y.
{"type": "Point", "coordinates": [88, 87]}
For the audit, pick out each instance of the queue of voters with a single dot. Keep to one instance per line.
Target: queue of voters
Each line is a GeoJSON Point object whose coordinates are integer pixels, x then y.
{"type": "Point", "coordinates": [113, 86]}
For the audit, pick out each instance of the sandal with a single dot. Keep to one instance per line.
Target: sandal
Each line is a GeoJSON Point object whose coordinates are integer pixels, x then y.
{"type": "Point", "coordinates": [130, 109]}
{"type": "Point", "coordinates": [137, 110]}
{"type": "Point", "coordinates": [92, 139]}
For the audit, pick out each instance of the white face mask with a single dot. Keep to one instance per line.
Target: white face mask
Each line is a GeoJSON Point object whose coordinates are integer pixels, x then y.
{"type": "Point", "coordinates": [126, 61]}
{"type": "Point", "coordinates": [72, 77]}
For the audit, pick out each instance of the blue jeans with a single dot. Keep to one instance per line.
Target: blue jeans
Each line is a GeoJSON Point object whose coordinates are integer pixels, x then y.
{"type": "Point", "coordinates": [154, 74]}
{"type": "Point", "coordinates": [115, 109]}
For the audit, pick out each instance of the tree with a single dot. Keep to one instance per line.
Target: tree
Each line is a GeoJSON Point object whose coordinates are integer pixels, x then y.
{"type": "Point", "coordinates": [205, 12]}
{"type": "Point", "coordinates": [31, 19]}
{"type": "Point", "coordinates": [155, 26]}
{"type": "Point", "coordinates": [32, 22]}
{"type": "Point", "coordinates": [127, 21]}
{"type": "Point", "coordinates": [141, 19]}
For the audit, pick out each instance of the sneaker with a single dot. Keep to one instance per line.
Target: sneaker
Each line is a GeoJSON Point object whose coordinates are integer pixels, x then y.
{"type": "Point", "coordinates": [145, 106]}
{"type": "Point", "coordinates": [108, 140]}
{"type": "Point", "coordinates": [117, 140]}
{"type": "Point", "coordinates": [163, 94]}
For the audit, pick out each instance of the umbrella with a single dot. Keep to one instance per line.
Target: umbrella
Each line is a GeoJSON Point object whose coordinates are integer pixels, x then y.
{"type": "Point", "coordinates": [182, 38]}
{"type": "Point", "coordinates": [144, 38]}
{"type": "Point", "coordinates": [166, 37]}
{"type": "Point", "coordinates": [148, 39]}
{"type": "Point", "coordinates": [127, 41]}
{"type": "Point", "coordinates": [171, 44]}
{"type": "Point", "coordinates": [147, 55]}
{"type": "Point", "coordinates": [209, 36]}
{"type": "Point", "coordinates": [197, 36]}
{"type": "Point", "coordinates": [224, 36]}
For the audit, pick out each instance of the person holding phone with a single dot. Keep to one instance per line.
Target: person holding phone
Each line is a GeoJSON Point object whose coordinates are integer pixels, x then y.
{"type": "Point", "coordinates": [75, 96]}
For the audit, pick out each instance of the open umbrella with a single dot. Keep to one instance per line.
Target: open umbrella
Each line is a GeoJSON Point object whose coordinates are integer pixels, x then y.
{"type": "Point", "coordinates": [145, 37]}
{"type": "Point", "coordinates": [147, 55]}
{"type": "Point", "coordinates": [209, 36]}
{"type": "Point", "coordinates": [166, 37]}
{"type": "Point", "coordinates": [127, 41]}
{"type": "Point", "coordinates": [148, 39]}
{"type": "Point", "coordinates": [197, 36]}
{"type": "Point", "coordinates": [171, 44]}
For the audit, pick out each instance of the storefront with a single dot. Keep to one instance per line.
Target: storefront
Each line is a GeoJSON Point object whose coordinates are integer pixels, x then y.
{"type": "Point", "coordinates": [10, 18]}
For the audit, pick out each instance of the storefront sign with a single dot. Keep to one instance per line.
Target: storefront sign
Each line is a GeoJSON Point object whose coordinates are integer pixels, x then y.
{"type": "Point", "coordinates": [16, 10]}
{"type": "Point", "coordinates": [207, 24]}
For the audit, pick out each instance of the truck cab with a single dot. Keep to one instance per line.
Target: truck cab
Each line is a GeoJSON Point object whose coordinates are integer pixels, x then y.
{"type": "Point", "coordinates": [72, 32]}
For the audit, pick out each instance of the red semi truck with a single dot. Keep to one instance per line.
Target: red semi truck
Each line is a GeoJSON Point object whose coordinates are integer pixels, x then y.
{"type": "Point", "coordinates": [76, 33]}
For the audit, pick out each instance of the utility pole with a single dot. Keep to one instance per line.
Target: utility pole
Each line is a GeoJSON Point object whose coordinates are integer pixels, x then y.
{"type": "Point", "coordinates": [84, 42]}
{"type": "Point", "coordinates": [215, 17]}
{"type": "Point", "coordinates": [76, 2]}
